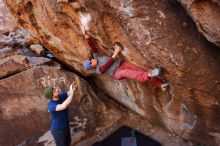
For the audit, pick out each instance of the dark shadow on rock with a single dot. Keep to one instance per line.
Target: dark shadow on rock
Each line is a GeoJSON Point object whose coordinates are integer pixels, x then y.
{"type": "Point", "coordinates": [124, 131]}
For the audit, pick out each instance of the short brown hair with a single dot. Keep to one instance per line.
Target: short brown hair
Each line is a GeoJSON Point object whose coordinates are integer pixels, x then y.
{"type": "Point", "coordinates": [118, 44]}
{"type": "Point", "coordinates": [82, 10]}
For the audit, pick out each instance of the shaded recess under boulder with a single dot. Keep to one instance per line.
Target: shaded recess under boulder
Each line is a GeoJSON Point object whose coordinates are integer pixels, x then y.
{"type": "Point", "coordinates": [126, 136]}
{"type": "Point", "coordinates": [154, 33]}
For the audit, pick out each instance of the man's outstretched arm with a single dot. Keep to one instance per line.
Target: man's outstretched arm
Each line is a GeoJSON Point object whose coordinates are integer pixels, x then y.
{"type": "Point", "coordinates": [66, 103]}
{"type": "Point", "coordinates": [104, 67]}
{"type": "Point", "coordinates": [91, 43]}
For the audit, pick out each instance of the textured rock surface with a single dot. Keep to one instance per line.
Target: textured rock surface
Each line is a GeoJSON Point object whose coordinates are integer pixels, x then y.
{"type": "Point", "coordinates": [25, 111]}
{"type": "Point", "coordinates": [206, 14]}
{"type": "Point", "coordinates": [13, 59]}
{"type": "Point", "coordinates": [24, 117]}
{"type": "Point", "coordinates": [94, 116]}
{"type": "Point", "coordinates": [18, 38]}
{"type": "Point", "coordinates": [7, 21]}
{"type": "Point", "coordinates": [154, 33]}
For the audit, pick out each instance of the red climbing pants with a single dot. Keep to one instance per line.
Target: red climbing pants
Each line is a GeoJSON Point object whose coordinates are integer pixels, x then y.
{"type": "Point", "coordinates": [130, 71]}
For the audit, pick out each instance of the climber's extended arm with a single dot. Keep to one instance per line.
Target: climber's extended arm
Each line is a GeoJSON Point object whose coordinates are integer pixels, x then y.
{"type": "Point", "coordinates": [90, 43]}
{"type": "Point", "coordinates": [104, 67]}
{"type": "Point", "coordinates": [68, 100]}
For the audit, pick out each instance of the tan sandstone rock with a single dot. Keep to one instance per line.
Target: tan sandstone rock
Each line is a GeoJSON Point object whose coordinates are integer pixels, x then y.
{"type": "Point", "coordinates": [24, 110]}
{"type": "Point", "coordinates": [154, 33]}
{"type": "Point", "coordinates": [7, 21]}
{"type": "Point", "coordinates": [206, 15]}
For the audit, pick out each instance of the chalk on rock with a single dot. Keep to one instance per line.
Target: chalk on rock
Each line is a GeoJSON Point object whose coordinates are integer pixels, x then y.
{"type": "Point", "coordinates": [85, 18]}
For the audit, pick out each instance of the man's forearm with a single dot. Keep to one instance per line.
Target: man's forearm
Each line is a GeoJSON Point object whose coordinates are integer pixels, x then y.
{"type": "Point", "coordinates": [115, 54]}
{"type": "Point", "coordinates": [68, 100]}
{"type": "Point", "coordinates": [65, 104]}
{"type": "Point", "coordinates": [92, 45]}
{"type": "Point", "coordinates": [104, 67]}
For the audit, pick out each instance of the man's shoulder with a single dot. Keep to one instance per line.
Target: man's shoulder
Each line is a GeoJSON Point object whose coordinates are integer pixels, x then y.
{"type": "Point", "coordinates": [51, 103]}
{"type": "Point", "coordinates": [63, 95]}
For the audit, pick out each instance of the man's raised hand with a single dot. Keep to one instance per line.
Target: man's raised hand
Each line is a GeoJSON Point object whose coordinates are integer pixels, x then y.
{"type": "Point", "coordinates": [118, 49]}
{"type": "Point", "coordinates": [74, 86]}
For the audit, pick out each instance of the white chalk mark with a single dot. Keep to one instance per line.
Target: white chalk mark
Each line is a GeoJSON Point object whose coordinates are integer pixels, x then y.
{"type": "Point", "coordinates": [54, 81]}
{"type": "Point", "coordinates": [162, 15]}
{"type": "Point", "coordinates": [85, 20]}
{"type": "Point", "coordinates": [43, 82]}
{"type": "Point", "coordinates": [48, 81]}
{"type": "Point", "coordinates": [62, 79]}
{"type": "Point", "coordinates": [128, 10]}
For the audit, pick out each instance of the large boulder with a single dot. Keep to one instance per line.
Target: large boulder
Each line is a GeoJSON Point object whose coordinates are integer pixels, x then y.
{"type": "Point", "coordinates": [154, 33]}
{"type": "Point", "coordinates": [24, 118]}
{"type": "Point", "coordinates": [18, 63]}
{"type": "Point", "coordinates": [19, 38]}
{"type": "Point", "coordinates": [24, 115]}
{"type": "Point", "coordinates": [15, 57]}
{"type": "Point", "coordinates": [93, 115]}
{"type": "Point", "coordinates": [206, 14]}
{"type": "Point", "coordinates": [24, 74]}
{"type": "Point", "coordinates": [7, 21]}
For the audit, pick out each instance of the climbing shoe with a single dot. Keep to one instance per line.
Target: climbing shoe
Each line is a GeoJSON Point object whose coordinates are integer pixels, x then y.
{"type": "Point", "coordinates": [164, 86]}
{"type": "Point", "coordinates": [155, 72]}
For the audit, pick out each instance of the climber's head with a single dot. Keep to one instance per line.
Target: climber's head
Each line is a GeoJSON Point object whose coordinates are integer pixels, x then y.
{"type": "Point", "coordinates": [90, 64]}
{"type": "Point", "coordinates": [52, 93]}
{"type": "Point", "coordinates": [118, 44]}
{"type": "Point", "coordinates": [56, 93]}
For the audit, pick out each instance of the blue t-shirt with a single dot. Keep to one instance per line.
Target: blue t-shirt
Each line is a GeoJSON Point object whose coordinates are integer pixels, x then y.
{"type": "Point", "coordinates": [59, 118]}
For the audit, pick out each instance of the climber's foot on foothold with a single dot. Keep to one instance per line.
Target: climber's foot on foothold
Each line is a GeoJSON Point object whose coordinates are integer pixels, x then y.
{"type": "Point", "coordinates": [155, 72]}
{"type": "Point", "coordinates": [164, 86]}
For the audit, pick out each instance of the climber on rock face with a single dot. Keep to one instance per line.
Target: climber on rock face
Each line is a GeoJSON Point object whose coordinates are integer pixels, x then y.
{"type": "Point", "coordinates": [118, 68]}
{"type": "Point", "coordinates": [58, 109]}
